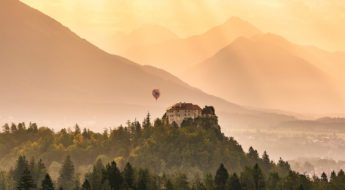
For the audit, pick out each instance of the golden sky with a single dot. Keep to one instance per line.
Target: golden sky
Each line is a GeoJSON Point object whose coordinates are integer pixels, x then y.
{"type": "Point", "coordinates": [314, 22]}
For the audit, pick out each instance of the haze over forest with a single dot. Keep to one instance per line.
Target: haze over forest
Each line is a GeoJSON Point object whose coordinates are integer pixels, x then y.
{"type": "Point", "coordinates": [273, 83]}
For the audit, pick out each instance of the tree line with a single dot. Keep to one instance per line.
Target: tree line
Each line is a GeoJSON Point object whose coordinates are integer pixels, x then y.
{"type": "Point", "coordinates": [172, 157]}
{"type": "Point", "coordinates": [198, 146]}
{"type": "Point", "coordinates": [31, 175]}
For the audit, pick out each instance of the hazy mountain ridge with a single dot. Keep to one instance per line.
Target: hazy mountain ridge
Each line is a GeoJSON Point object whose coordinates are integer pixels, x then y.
{"type": "Point", "coordinates": [50, 75]}
{"type": "Point", "coordinates": [268, 71]}
{"type": "Point", "coordinates": [316, 166]}
{"type": "Point", "coordinates": [328, 62]}
{"type": "Point", "coordinates": [180, 54]}
{"type": "Point", "coordinates": [321, 67]}
{"type": "Point", "coordinates": [326, 124]}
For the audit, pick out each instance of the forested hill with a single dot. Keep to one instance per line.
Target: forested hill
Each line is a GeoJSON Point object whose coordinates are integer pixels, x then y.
{"type": "Point", "coordinates": [197, 147]}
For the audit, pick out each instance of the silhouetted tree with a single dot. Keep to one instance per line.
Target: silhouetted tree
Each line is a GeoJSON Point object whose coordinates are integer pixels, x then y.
{"type": "Point", "coordinates": [67, 176]}
{"type": "Point", "coordinates": [113, 176]}
{"type": "Point", "coordinates": [40, 171]}
{"type": "Point", "coordinates": [266, 160]}
{"type": "Point", "coordinates": [259, 178]}
{"type": "Point", "coordinates": [128, 176]}
{"type": "Point", "coordinates": [21, 164]}
{"type": "Point", "coordinates": [253, 154]}
{"type": "Point", "coordinates": [234, 183]}
{"type": "Point", "coordinates": [47, 183]}
{"type": "Point", "coordinates": [26, 182]}
{"type": "Point", "coordinates": [95, 178]}
{"type": "Point", "coordinates": [221, 178]}
{"type": "Point", "coordinates": [324, 177]}
{"type": "Point", "coordinates": [147, 121]}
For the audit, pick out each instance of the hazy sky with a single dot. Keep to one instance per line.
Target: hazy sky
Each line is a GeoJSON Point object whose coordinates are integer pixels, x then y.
{"type": "Point", "coordinates": [316, 22]}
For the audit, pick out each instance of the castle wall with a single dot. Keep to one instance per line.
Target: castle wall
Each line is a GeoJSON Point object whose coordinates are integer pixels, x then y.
{"type": "Point", "coordinates": [178, 116]}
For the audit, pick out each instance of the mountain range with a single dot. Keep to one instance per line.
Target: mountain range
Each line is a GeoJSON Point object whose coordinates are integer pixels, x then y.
{"type": "Point", "coordinates": [240, 63]}
{"type": "Point", "coordinates": [177, 55]}
{"type": "Point", "coordinates": [268, 71]}
{"type": "Point", "coordinates": [52, 76]}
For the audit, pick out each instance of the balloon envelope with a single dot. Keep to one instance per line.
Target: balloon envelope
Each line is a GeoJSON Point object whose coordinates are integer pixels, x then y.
{"type": "Point", "coordinates": [156, 93]}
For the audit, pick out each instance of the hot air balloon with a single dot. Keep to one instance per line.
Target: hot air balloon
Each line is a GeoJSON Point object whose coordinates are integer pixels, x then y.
{"type": "Point", "coordinates": [156, 93]}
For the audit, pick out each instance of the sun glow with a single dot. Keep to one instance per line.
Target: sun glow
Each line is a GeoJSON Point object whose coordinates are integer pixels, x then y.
{"type": "Point", "coordinates": [306, 22]}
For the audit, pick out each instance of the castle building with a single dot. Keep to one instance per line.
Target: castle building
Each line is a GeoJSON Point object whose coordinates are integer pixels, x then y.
{"type": "Point", "coordinates": [181, 111]}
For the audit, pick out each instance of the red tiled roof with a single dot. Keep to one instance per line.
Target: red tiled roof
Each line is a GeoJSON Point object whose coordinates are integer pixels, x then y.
{"type": "Point", "coordinates": [184, 106]}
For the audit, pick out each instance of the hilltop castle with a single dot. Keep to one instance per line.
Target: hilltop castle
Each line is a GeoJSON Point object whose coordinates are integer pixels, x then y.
{"type": "Point", "coordinates": [182, 111]}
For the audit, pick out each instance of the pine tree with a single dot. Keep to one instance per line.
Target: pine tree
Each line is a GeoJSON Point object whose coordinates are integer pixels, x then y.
{"type": "Point", "coordinates": [14, 128]}
{"type": "Point", "coordinates": [95, 178]}
{"type": "Point", "coordinates": [253, 154]}
{"type": "Point", "coordinates": [113, 175]}
{"type": "Point", "coordinates": [33, 170]}
{"type": "Point", "coordinates": [143, 180]}
{"type": "Point", "coordinates": [158, 123]}
{"type": "Point", "coordinates": [283, 168]}
{"type": "Point", "coordinates": [221, 178]}
{"type": "Point", "coordinates": [266, 159]}
{"type": "Point", "coordinates": [86, 185]}
{"type": "Point", "coordinates": [26, 181]}
{"type": "Point", "coordinates": [77, 130]}
{"type": "Point", "coordinates": [41, 171]}
{"type": "Point", "coordinates": [6, 129]}
{"type": "Point", "coordinates": [128, 175]}
{"type": "Point", "coordinates": [147, 121]}
{"type": "Point", "coordinates": [324, 177]}
{"type": "Point", "coordinates": [22, 163]}
{"type": "Point", "coordinates": [67, 177]}
{"type": "Point", "coordinates": [86, 133]}
{"type": "Point", "coordinates": [32, 166]}
{"type": "Point", "coordinates": [234, 183]}
{"type": "Point", "coordinates": [47, 183]}
{"type": "Point", "coordinates": [333, 176]}
{"type": "Point", "coordinates": [259, 179]}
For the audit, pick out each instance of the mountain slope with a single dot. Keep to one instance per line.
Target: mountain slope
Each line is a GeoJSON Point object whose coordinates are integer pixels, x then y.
{"type": "Point", "coordinates": [50, 75]}
{"type": "Point", "coordinates": [332, 63]}
{"type": "Point", "coordinates": [178, 55]}
{"type": "Point", "coordinates": [265, 71]}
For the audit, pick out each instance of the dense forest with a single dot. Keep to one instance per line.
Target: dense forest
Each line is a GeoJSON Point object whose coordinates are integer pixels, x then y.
{"type": "Point", "coordinates": [197, 147]}
{"type": "Point", "coordinates": [31, 175]}
{"type": "Point", "coordinates": [147, 155]}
